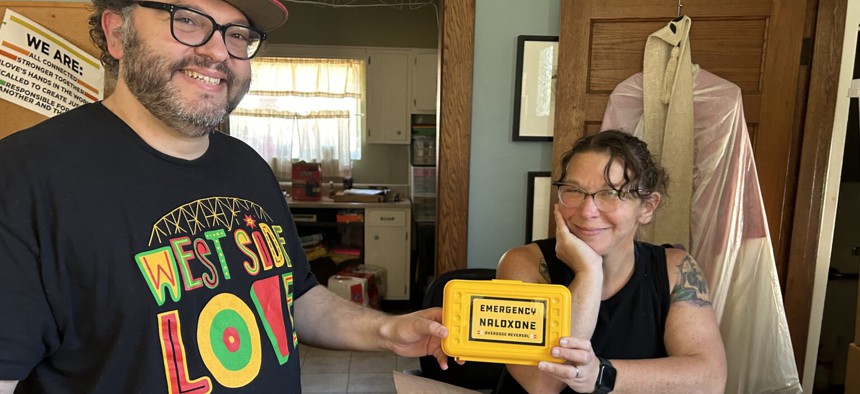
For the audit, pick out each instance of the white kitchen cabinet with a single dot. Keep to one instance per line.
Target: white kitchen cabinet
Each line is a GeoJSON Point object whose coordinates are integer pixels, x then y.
{"type": "Point", "coordinates": [388, 102]}
{"type": "Point", "coordinates": [387, 244]}
{"type": "Point", "coordinates": [424, 66]}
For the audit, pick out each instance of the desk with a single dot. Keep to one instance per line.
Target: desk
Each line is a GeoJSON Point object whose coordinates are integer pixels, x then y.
{"type": "Point", "coordinates": [386, 241]}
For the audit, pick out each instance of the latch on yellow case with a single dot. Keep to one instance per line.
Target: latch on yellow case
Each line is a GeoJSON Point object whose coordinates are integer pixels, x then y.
{"type": "Point", "coordinates": [504, 321]}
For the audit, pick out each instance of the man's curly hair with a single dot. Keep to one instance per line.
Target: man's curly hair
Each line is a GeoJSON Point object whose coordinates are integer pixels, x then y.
{"type": "Point", "coordinates": [98, 35]}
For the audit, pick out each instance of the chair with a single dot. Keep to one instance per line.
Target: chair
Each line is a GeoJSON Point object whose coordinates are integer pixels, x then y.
{"type": "Point", "coordinates": [472, 375]}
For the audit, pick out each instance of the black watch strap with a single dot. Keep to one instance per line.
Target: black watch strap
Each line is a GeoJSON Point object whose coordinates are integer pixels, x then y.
{"type": "Point", "coordinates": [605, 377]}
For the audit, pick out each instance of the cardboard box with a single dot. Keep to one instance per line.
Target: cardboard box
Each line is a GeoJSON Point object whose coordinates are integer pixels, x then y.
{"type": "Point", "coordinates": [379, 273]}
{"type": "Point", "coordinates": [350, 288]}
{"type": "Point", "coordinates": [306, 181]}
{"type": "Point", "coordinates": [852, 370]}
{"type": "Point", "coordinates": [375, 277]}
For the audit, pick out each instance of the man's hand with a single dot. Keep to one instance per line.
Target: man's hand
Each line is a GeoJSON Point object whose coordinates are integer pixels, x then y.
{"type": "Point", "coordinates": [417, 334]}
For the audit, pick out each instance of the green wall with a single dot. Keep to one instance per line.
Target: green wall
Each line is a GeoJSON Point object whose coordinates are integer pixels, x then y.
{"type": "Point", "coordinates": [497, 189]}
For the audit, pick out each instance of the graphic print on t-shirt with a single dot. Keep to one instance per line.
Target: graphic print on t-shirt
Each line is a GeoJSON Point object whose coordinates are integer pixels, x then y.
{"type": "Point", "coordinates": [193, 251]}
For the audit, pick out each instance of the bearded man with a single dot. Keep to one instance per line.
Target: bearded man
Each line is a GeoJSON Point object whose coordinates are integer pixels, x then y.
{"type": "Point", "coordinates": [141, 251]}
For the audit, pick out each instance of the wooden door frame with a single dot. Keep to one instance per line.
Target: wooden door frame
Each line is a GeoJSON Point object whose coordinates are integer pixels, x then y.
{"type": "Point", "coordinates": [810, 203]}
{"type": "Point", "coordinates": [456, 48]}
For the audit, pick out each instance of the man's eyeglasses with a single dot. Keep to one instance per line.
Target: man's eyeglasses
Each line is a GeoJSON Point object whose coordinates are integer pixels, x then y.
{"type": "Point", "coordinates": [194, 28]}
{"type": "Point", "coordinates": [607, 200]}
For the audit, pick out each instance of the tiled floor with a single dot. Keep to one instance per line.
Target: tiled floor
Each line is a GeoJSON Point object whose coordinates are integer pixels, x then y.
{"type": "Point", "coordinates": [333, 371]}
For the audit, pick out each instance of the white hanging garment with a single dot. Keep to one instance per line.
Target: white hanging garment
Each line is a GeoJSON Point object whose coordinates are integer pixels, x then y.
{"type": "Point", "coordinates": [729, 233]}
{"type": "Point", "coordinates": [667, 125]}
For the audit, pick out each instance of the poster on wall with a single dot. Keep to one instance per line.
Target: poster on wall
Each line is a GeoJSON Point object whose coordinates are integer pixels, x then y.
{"type": "Point", "coordinates": [43, 72]}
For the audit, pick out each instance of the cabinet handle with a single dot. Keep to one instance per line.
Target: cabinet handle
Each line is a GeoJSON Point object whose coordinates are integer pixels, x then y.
{"type": "Point", "coordinates": [376, 238]}
{"type": "Point", "coordinates": [398, 132]}
{"type": "Point", "coordinates": [386, 218]}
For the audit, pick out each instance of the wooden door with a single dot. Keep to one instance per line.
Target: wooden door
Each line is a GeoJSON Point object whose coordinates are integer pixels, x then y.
{"type": "Point", "coordinates": [755, 44]}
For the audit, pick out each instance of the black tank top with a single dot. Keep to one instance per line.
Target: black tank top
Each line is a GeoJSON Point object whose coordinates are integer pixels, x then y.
{"type": "Point", "coordinates": [630, 324]}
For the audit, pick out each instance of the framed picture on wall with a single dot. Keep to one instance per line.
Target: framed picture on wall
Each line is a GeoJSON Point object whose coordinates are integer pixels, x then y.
{"type": "Point", "coordinates": [535, 87]}
{"type": "Point", "coordinates": [538, 205]}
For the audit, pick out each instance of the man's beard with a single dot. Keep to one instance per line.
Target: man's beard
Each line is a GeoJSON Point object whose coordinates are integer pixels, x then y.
{"type": "Point", "coordinates": [148, 77]}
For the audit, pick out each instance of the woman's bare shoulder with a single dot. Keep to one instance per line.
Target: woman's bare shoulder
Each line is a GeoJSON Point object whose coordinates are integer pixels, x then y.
{"type": "Point", "coordinates": [675, 256]}
{"type": "Point", "coordinates": [686, 278]}
{"type": "Point", "coordinates": [521, 263]}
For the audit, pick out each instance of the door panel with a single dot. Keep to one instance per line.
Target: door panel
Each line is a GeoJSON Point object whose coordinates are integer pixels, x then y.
{"type": "Point", "coordinates": [755, 44]}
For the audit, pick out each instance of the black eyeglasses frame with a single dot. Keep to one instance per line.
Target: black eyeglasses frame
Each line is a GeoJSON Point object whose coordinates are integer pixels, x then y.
{"type": "Point", "coordinates": [172, 8]}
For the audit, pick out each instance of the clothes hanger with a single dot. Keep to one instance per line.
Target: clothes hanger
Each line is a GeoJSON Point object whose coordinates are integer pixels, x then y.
{"type": "Point", "coordinates": [679, 17]}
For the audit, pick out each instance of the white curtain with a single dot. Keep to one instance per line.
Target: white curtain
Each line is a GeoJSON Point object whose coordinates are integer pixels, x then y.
{"type": "Point", "coordinates": [303, 109]}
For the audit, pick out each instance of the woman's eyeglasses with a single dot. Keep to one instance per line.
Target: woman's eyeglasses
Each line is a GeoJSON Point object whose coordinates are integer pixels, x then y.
{"type": "Point", "coordinates": [607, 200]}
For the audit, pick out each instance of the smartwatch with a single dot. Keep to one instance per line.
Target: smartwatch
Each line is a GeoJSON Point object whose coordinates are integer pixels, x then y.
{"type": "Point", "coordinates": [605, 377]}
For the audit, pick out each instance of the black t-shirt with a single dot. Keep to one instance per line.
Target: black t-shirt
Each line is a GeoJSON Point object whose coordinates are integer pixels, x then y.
{"type": "Point", "coordinates": [123, 269]}
{"type": "Point", "coordinates": [631, 323]}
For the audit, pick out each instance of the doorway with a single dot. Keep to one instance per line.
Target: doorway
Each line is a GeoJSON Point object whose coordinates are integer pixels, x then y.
{"type": "Point", "coordinates": [392, 30]}
{"type": "Point", "coordinates": [840, 304]}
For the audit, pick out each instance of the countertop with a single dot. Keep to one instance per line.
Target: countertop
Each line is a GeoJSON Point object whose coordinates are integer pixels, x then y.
{"type": "Point", "coordinates": [327, 202]}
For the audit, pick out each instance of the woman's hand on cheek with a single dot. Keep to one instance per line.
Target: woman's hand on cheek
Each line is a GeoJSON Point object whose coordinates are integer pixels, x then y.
{"type": "Point", "coordinates": [572, 250]}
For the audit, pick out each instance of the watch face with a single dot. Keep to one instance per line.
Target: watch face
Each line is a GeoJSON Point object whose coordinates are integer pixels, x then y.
{"type": "Point", "coordinates": [606, 377]}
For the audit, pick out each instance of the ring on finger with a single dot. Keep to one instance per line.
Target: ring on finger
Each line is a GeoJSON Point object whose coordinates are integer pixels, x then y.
{"type": "Point", "coordinates": [577, 372]}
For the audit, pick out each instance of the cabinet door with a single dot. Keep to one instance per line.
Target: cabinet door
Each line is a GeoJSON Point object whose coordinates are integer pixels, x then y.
{"type": "Point", "coordinates": [386, 244]}
{"type": "Point", "coordinates": [388, 98]}
{"type": "Point", "coordinates": [424, 83]}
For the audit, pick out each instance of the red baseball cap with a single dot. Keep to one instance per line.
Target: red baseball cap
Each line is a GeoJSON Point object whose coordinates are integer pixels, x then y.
{"type": "Point", "coordinates": [266, 15]}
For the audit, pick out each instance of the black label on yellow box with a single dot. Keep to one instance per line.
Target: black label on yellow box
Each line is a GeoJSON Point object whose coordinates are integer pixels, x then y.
{"type": "Point", "coordinates": [508, 320]}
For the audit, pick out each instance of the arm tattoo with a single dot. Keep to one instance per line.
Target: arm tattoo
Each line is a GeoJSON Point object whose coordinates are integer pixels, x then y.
{"type": "Point", "coordinates": [544, 270]}
{"type": "Point", "coordinates": [691, 284]}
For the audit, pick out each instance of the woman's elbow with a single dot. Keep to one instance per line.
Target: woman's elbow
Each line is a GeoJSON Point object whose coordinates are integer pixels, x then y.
{"type": "Point", "coordinates": [717, 376]}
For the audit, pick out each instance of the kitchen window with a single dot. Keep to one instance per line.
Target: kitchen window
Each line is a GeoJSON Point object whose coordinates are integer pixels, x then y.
{"type": "Point", "coordinates": [303, 109]}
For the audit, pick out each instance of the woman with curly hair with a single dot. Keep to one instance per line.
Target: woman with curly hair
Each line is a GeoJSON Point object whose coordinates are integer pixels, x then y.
{"type": "Point", "coordinates": [642, 320]}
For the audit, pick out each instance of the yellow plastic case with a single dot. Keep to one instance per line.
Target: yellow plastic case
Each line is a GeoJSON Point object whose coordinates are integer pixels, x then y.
{"type": "Point", "coordinates": [504, 321]}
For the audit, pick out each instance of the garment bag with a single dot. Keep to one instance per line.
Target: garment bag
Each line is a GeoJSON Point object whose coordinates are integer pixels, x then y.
{"type": "Point", "coordinates": [729, 235]}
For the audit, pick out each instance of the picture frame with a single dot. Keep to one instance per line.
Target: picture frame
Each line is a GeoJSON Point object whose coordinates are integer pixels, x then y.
{"type": "Point", "coordinates": [535, 88]}
{"type": "Point", "coordinates": [538, 203]}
